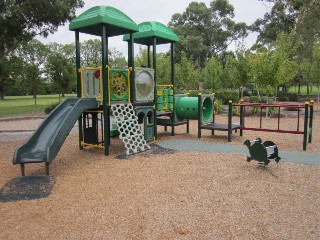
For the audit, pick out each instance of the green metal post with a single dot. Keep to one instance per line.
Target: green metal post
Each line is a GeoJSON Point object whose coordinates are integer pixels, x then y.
{"type": "Point", "coordinates": [106, 109]}
{"type": "Point", "coordinates": [230, 121]}
{"type": "Point", "coordinates": [149, 58]}
{"type": "Point", "coordinates": [199, 115]}
{"type": "Point", "coordinates": [172, 82]}
{"type": "Point", "coordinates": [305, 132]}
{"type": "Point", "coordinates": [241, 117]}
{"type": "Point", "coordinates": [78, 66]}
{"type": "Point", "coordinates": [155, 83]}
{"type": "Point", "coordinates": [311, 121]}
{"type": "Point", "coordinates": [213, 114]}
{"type": "Point", "coordinates": [131, 64]}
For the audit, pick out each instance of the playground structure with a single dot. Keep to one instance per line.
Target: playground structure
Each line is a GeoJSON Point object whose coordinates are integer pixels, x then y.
{"type": "Point", "coordinates": [120, 102]}
{"type": "Point", "coordinates": [262, 152]}
{"type": "Point", "coordinates": [115, 102]}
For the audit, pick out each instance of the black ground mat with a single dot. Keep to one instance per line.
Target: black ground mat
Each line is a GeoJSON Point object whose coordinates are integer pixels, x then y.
{"type": "Point", "coordinates": [155, 149]}
{"type": "Point", "coordinates": [26, 188]}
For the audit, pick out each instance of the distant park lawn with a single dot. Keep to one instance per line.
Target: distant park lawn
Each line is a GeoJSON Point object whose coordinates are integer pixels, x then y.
{"type": "Point", "coordinates": [303, 90]}
{"type": "Point", "coordinates": [23, 105]}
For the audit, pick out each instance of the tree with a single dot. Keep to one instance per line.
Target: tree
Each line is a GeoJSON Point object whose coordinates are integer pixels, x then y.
{"type": "Point", "coordinates": [274, 66]}
{"type": "Point", "coordinates": [31, 80]}
{"type": "Point", "coordinates": [10, 72]}
{"type": "Point", "coordinates": [91, 53]}
{"type": "Point", "coordinates": [61, 73]}
{"type": "Point", "coordinates": [206, 31]}
{"type": "Point", "coordinates": [22, 20]}
{"type": "Point", "coordinates": [237, 69]}
{"type": "Point", "coordinates": [141, 59]}
{"type": "Point", "coordinates": [163, 68]}
{"type": "Point", "coordinates": [299, 17]}
{"type": "Point", "coordinates": [117, 59]}
{"type": "Point", "coordinates": [34, 55]}
{"type": "Point", "coordinates": [311, 68]}
{"type": "Point", "coordinates": [187, 75]}
{"type": "Point", "coordinates": [213, 74]}
{"type": "Point", "coordinates": [281, 18]}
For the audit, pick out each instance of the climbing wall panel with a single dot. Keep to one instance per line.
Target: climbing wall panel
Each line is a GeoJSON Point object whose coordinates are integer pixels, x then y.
{"type": "Point", "coordinates": [129, 129]}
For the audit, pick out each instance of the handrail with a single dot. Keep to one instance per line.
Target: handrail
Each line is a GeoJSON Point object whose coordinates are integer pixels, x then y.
{"type": "Point", "coordinates": [306, 106]}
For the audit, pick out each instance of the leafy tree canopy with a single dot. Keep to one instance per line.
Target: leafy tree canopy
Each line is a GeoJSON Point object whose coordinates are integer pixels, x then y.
{"type": "Point", "coordinates": [22, 20]}
{"type": "Point", "coordinates": [206, 31]}
{"type": "Point", "coordinates": [299, 17]}
{"type": "Point", "coordinates": [281, 18]}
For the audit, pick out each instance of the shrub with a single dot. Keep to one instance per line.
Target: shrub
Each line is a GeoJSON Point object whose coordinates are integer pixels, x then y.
{"type": "Point", "coordinates": [50, 107]}
{"type": "Point", "coordinates": [226, 95]}
{"type": "Point", "coordinates": [282, 97]}
{"type": "Point", "coordinates": [293, 97]}
{"type": "Point", "coordinates": [256, 99]}
{"type": "Point", "coordinates": [255, 110]}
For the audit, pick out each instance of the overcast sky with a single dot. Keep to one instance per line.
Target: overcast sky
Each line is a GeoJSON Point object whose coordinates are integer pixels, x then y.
{"type": "Point", "coordinates": [157, 10]}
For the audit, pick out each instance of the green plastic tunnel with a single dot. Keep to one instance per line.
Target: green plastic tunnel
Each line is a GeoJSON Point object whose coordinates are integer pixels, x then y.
{"type": "Point", "coordinates": [187, 108]}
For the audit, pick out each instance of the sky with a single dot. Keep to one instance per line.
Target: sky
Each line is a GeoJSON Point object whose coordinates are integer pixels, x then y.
{"type": "Point", "coordinates": [157, 10]}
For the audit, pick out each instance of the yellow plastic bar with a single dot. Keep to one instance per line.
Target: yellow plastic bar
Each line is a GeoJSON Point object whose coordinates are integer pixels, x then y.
{"type": "Point", "coordinates": [129, 83]}
{"type": "Point", "coordinates": [91, 145]}
{"type": "Point", "coordinates": [82, 91]}
{"type": "Point", "coordinates": [94, 111]}
{"type": "Point", "coordinates": [101, 89]}
{"type": "Point", "coordinates": [108, 72]}
{"type": "Point", "coordinates": [89, 68]}
{"type": "Point", "coordinates": [164, 85]}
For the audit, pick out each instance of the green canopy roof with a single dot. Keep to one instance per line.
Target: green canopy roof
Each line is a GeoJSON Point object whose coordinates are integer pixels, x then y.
{"type": "Point", "coordinates": [149, 30]}
{"type": "Point", "coordinates": [90, 22]}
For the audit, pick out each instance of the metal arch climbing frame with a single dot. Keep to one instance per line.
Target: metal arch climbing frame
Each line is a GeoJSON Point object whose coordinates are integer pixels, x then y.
{"type": "Point", "coordinates": [307, 129]}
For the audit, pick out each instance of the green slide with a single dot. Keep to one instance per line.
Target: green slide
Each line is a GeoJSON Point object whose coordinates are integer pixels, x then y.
{"type": "Point", "coordinates": [46, 141]}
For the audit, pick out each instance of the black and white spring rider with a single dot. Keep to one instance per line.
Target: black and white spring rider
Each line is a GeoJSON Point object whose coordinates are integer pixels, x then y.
{"type": "Point", "coordinates": [262, 152]}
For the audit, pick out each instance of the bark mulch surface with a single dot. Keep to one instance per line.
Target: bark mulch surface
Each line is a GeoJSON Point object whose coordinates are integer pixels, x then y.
{"type": "Point", "coordinates": [161, 193]}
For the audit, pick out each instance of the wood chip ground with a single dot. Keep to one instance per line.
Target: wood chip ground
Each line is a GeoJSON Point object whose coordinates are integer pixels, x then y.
{"type": "Point", "coordinates": [174, 195]}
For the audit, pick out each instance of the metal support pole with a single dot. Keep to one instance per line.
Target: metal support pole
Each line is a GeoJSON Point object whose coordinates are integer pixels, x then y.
{"type": "Point", "coordinates": [230, 121]}
{"type": "Point", "coordinates": [305, 131]}
{"type": "Point", "coordinates": [241, 118]}
{"type": "Point", "coordinates": [47, 168]}
{"type": "Point", "coordinates": [149, 58]}
{"type": "Point", "coordinates": [213, 114]}
{"type": "Point", "coordinates": [131, 64]}
{"type": "Point", "coordinates": [155, 83]}
{"type": "Point", "coordinates": [79, 90]}
{"type": "Point", "coordinates": [199, 114]}
{"type": "Point", "coordinates": [106, 109]}
{"type": "Point", "coordinates": [310, 121]}
{"type": "Point", "coordinates": [22, 169]}
{"type": "Point", "coordinates": [172, 82]}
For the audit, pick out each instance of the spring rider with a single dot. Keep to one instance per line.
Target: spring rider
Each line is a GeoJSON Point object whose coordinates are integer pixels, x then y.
{"type": "Point", "coordinates": [262, 152]}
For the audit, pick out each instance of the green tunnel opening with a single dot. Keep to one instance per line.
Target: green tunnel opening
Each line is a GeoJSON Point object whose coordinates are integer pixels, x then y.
{"type": "Point", "coordinates": [207, 108]}
{"type": "Point", "coordinates": [187, 108]}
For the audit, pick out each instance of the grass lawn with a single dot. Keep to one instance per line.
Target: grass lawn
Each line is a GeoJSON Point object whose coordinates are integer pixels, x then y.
{"type": "Point", "coordinates": [22, 105]}
{"type": "Point", "coordinates": [303, 90]}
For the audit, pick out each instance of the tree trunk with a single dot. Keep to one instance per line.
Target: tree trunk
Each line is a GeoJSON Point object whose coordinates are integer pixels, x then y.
{"type": "Point", "coordinates": [1, 93]}
{"type": "Point", "coordinates": [318, 97]}
{"type": "Point", "coordinates": [35, 98]}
